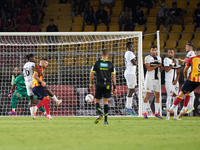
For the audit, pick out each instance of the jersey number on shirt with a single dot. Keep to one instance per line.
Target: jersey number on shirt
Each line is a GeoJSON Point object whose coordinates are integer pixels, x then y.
{"type": "Point", "coordinates": [27, 73]}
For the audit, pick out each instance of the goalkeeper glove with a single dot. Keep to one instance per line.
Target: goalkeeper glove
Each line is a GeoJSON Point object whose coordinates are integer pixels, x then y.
{"type": "Point", "coordinates": [9, 94]}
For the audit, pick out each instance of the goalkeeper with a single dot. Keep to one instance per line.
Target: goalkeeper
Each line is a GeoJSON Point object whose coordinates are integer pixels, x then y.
{"type": "Point", "coordinates": [19, 93]}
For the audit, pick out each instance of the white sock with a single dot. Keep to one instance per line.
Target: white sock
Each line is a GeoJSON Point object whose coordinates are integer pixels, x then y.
{"type": "Point", "coordinates": [129, 102]}
{"type": "Point", "coordinates": [13, 109]}
{"type": "Point", "coordinates": [176, 108]}
{"type": "Point", "coordinates": [55, 99]}
{"type": "Point", "coordinates": [144, 107]}
{"type": "Point", "coordinates": [157, 107]}
{"type": "Point", "coordinates": [172, 107]}
{"type": "Point", "coordinates": [168, 103]}
{"type": "Point", "coordinates": [191, 102]}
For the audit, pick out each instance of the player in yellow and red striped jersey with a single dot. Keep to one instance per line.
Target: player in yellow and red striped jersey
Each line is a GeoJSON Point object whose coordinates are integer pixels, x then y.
{"type": "Point", "coordinates": [190, 84]}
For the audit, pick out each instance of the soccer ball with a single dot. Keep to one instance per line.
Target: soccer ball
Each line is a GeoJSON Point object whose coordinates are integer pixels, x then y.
{"type": "Point", "coordinates": [89, 98]}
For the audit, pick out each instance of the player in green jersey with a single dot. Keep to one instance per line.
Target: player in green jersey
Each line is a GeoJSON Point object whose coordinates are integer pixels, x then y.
{"type": "Point", "coordinates": [19, 93]}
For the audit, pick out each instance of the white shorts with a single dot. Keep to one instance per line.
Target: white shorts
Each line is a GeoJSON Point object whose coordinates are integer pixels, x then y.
{"type": "Point", "coordinates": [170, 88]}
{"type": "Point", "coordinates": [29, 88]}
{"type": "Point", "coordinates": [152, 85]}
{"type": "Point", "coordinates": [130, 80]}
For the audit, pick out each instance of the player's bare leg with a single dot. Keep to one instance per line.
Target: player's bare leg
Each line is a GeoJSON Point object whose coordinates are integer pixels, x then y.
{"type": "Point", "coordinates": [157, 105]}
{"type": "Point", "coordinates": [53, 96]}
{"type": "Point", "coordinates": [145, 105]}
{"type": "Point", "coordinates": [98, 109]}
{"type": "Point", "coordinates": [105, 110]}
{"type": "Point", "coordinates": [129, 100]}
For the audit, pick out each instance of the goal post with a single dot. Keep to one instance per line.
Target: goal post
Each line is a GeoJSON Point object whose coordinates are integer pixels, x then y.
{"type": "Point", "coordinates": [70, 56]}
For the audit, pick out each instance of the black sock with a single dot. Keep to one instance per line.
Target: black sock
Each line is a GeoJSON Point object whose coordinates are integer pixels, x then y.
{"type": "Point", "coordinates": [98, 108]}
{"type": "Point", "coordinates": [106, 112]}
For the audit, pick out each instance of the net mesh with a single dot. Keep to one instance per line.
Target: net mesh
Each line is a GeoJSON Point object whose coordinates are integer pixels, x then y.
{"type": "Point", "coordinates": [70, 59]}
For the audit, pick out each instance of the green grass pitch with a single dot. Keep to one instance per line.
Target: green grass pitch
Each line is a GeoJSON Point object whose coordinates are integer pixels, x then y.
{"type": "Point", "coordinates": [123, 133]}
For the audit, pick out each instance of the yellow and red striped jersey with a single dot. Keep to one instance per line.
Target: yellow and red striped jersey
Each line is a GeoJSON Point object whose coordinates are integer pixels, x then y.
{"type": "Point", "coordinates": [194, 62]}
{"type": "Point", "coordinates": [35, 82]}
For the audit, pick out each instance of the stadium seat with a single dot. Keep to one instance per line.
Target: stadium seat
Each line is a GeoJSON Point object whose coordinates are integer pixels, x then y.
{"type": "Point", "coordinates": [119, 60]}
{"type": "Point", "coordinates": [151, 28]}
{"type": "Point", "coordinates": [161, 29]}
{"type": "Point", "coordinates": [101, 28]}
{"type": "Point", "coordinates": [181, 4]}
{"type": "Point", "coordinates": [153, 12]}
{"type": "Point", "coordinates": [189, 28]}
{"type": "Point", "coordinates": [169, 3]}
{"type": "Point", "coordinates": [113, 28]}
{"type": "Point", "coordinates": [78, 21]}
{"type": "Point", "coordinates": [92, 60]}
{"type": "Point", "coordinates": [196, 43]}
{"type": "Point", "coordinates": [174, 36]}
{"type": "Point", "coordinates": [151, 20]}
{"type": "Point", "coordinates": [89, 28]}
{"type": "Point", "coordinates": [176, 28]}
{"type": "Point", "coordinates": [76, 28]}
{"type": "Point", "coordinates": [84, 47]}
{"type": "Point", "coordinates": [118, 4]}
{"type": "Point", "coordinates": [193, 3]}
{"type": "Point", "coordinates": [94, 3]}
{"type": "Point", "coordinates": [186, 36]}
{"type": "Point", "coordinates": [34, 28]}
{"type": "Point", "coordinates": [188, 20]}
{"type": "Point", "coordinates": [116, 12]}
{"type": "Point", "coordinates": [163, 37]}
{"type": "Point", "coordinates": [114, 20]}
{"type": "Point", "coordinates": [189, 12]}
{"type": "Point", "coordinates": [68, 60]}
{"type": "Point", "coordinates": [24, 20]}
{"type": "Point", "coordinates": [149, 37]}
{"type": "Point", "coordinates": [146, 44]}
{"type": "Point", "coordinates": [182, 43]}
{"type": "Point", "coordinates": [22, 28]}
{"type": "Point", "coordinates": [139, 28]}
{"type": "Point", "coordinates": [144, 9]}
{"type": "Point", "coordinates": [182, 50]}
{"type": "Point", "coordinates": [161, 43]}
{"type": "Point", "coordinates": [146, 50]}
{"type": "Point", "coordinates": [170, 44]}
{"type": "Point", "coordinates": [81, 60]}
{"type": "Point", "coordinates": [52, 67]}
{"type": "Point", "coordinates": [72, 48]}
{"type": "Point", "coordinates": [64, 29]}
{"type": "Point", "coordinates": [197, 36]}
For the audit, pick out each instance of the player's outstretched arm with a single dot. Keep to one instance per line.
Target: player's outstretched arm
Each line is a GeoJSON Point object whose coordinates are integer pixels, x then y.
{"type": "Point", "coordinates": [150, 68]}
{"type": "Point", "coordinates": [37, 70]}
{"type": "Point", "coordinates": [183, 60]}
{"type": "Point", "coordinates": [35, 75]}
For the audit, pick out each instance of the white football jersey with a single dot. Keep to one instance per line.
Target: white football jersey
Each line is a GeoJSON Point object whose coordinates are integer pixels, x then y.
{"type": "Point", "coordinates": [130, 68]}
{"type": "Point", "coordinates": [153, 61]}
{"type": "Point", "coordinates": [172, 74]}
{"type": "Point", "coordinates": [189, 55]}
{"type": "Point", "coordinates": [28, 72]}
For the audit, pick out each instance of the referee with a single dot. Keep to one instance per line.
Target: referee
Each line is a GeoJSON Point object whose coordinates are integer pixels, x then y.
{"type": "Point", "coordinates": [105, 73]}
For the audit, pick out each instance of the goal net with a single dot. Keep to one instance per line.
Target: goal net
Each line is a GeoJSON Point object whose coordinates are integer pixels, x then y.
{"type": "Point", "coordinates": [70, 57]}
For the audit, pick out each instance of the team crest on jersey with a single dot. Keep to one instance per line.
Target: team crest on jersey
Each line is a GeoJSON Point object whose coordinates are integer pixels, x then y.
{"type": "Point", "coordinates": [104, 65]}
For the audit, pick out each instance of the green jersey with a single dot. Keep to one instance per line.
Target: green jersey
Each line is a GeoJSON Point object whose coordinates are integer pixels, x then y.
{"type": "Point", "coordinates": [20, 82]}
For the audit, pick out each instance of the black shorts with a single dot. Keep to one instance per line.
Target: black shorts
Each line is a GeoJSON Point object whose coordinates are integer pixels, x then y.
{"type": "Point", "coordinates": [189, 86]}
{"type": "Point", "coordinates": [103, 90]}
{"type": "Point", "coordinates": [40, 92]}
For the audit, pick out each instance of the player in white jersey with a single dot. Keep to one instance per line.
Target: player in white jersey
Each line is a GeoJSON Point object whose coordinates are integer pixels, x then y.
{"type": "Point", "coordinates": [172, 74]}
{"type": "Point", "coordinates": [28, 69]}
{"type": "Point", "coordinates": [130, 76]}
{"type": "Point", "coordinates": [153, 64]}
{"type": "Point", "coordinates": [190, 49]}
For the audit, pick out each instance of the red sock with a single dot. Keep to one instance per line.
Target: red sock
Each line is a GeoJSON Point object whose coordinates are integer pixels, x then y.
{"type": "Point", "coordinates": [46, 105]}
{"type": "Point", "coordinates": [178, 100]}
{"type": "Point", "coordinates": [186, 100]}
{"type": "Point", "coordinates": [40, 104]}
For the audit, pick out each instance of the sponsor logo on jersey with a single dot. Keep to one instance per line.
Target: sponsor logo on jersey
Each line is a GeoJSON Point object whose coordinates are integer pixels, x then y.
{"type": "Point", "coordinates": [104, 65]}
